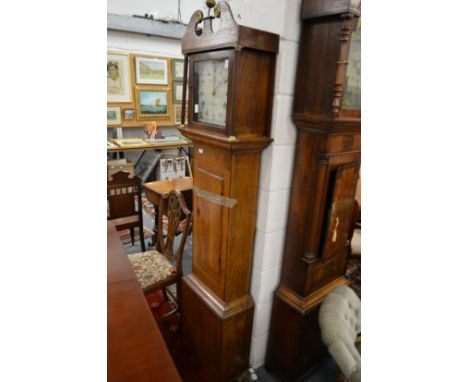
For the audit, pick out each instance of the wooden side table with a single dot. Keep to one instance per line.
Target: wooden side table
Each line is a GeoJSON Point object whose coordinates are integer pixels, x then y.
{"type": "Point", "coordinates": [155, 190]}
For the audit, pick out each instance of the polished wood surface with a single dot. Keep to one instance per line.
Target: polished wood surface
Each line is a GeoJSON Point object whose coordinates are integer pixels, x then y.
{"type": "Point", "coordinates": [153, 146]}
{"type": "Point", "coordinates": [155, 190]}
{"type": "Point", "coordinates": [326, 170]}
{"type": "Point", "coordinates": [136, 351]}
{"type": "Point", "coordinates": [217, 309]}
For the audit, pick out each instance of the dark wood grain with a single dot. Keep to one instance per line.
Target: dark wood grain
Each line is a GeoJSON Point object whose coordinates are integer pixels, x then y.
{"type": "Point", "coordinates": [326, 170]}
{"type": "Point", "coordinates": [321, 8]}
{"type": "Point", "coordinates": [136, 350]}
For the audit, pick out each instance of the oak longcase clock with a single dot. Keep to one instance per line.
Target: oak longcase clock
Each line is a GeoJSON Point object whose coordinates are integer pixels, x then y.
{"type": "Point", "coordinates": [327, 114]}
{"type": "Point", "coordinates": [230, 75]}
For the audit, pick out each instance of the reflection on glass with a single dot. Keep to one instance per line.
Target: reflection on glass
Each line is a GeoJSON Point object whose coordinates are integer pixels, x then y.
{"type": "Point", "coordinates": [352, 88]}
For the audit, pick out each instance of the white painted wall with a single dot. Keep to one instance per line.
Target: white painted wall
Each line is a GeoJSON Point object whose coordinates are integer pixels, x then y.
{"type": "Point", "coordinates": [281, 17]}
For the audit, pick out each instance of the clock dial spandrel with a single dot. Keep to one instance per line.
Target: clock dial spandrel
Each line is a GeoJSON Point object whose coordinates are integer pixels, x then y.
{"type": "Point", "coordinates": [210, 91]}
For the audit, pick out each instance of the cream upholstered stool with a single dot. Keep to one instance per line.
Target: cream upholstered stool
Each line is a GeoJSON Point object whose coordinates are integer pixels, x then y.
{"type": "Point", "coordinates": [340, 323]}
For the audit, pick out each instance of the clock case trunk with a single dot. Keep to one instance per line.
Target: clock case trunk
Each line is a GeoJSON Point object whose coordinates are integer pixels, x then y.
{"type": "Point", "coordinates": [326, 170]}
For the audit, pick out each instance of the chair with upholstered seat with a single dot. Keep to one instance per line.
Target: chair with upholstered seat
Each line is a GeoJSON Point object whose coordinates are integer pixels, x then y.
{"type": "Point", "coordinates": [340, 325]}
{"type": "Point", "coordinates": [124, 205]}
{"type": "Point", "coordinates": [158, 270]}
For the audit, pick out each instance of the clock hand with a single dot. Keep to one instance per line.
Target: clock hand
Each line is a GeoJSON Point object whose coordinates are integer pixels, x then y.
{"type": "Point", "coordinates": [221, 83]}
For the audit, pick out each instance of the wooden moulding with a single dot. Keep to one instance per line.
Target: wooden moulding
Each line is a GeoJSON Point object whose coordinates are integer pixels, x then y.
{"type": "Point", "coordinates": [320, 8]}
{"type": "Point", "coordinates": [232, 144]}
{"type": "Point", "coordinates": [305, 304]}
{"type": "Point", "coordinates": [222, 309]}
{"type": "Point", "coordinates": [229, 35]}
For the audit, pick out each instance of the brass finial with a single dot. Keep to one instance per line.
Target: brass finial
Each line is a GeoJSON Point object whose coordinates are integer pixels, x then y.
{"type": "Point", "coordinates": [210, 3]}
{"type": "Point", "coordinates": [198, 16]}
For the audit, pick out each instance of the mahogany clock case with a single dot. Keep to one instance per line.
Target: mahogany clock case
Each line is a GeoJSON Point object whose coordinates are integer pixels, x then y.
{"type": "Point", "coordinates": [326, 170]}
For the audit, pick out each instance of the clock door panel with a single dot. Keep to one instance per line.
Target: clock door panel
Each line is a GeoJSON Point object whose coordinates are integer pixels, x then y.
{"type": "Point", "coordinates": [210, 220]}
{"type": "Point", "coordinates": [340, 204]}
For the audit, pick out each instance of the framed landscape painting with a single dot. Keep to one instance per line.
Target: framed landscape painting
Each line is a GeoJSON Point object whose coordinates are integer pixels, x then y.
{"type": "Point", "coordinates": [153, 103]}
{"type": "Point", "coordinates": [113, 116]}
{"type": "Point", "coordinates": [118, 78]}
{"type": "Point", "coordinates": [151, 71]}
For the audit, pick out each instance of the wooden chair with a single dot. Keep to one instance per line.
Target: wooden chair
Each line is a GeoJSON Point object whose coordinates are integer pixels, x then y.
{"type": "Point", "coordinates": [158, 270]}
{"type": "Point", "coordinates": [124, 204]}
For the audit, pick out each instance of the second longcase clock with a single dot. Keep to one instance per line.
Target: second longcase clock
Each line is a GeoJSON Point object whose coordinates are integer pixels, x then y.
{"type": "Point", "coordinates": [326, 112]}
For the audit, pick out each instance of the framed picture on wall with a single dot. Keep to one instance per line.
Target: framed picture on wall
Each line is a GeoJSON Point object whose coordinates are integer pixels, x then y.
{"type": "Point", "coordinates": [177, 114]}
{"type": "Point", "coordinates": [113, 116]}
{"type": "Point", "coordinates": [128, 114]}
{"type": "Point", "coordinates": [118, 78]}
{"type": "Point", "coordinates": [177, 69]}
{"type": "Point", "coordinates": [177, 91]}
{"type": "Point", "coordinates": [151, 71]}
{"type": "Point", "coordinates": [153, 103]}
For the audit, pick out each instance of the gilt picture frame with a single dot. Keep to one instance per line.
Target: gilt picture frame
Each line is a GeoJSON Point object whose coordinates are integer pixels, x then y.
{"type": "Point", "coordinates": [151, 71]}
{"type": "Point", "coordinates": [153, 103]}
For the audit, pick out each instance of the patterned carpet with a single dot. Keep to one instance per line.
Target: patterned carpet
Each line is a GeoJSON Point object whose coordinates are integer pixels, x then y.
{"type": "Point", "coordinates": [148, 207]}
{"type": "Point", "coordinates": [125, 235]}
{"type": "Point", "coordinates": [353, 273]}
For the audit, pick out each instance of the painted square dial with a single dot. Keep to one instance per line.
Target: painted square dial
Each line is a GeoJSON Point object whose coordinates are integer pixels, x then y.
{"type": "Point", "coordinates": [210, 91]}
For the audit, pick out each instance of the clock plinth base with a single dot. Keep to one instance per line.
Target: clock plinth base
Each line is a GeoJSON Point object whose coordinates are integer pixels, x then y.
{"type": "Point", "coordinates": [219, 333]}
{"type": "Point", "coordinates": [296, 349]}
